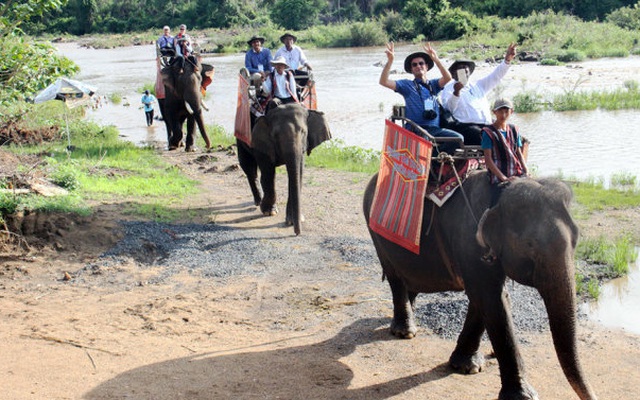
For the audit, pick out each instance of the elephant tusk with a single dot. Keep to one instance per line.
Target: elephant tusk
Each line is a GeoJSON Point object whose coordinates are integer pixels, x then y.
{"type": "Point", "coordinates": [189, 109]}
{"type": "Point", "coordinates": [204, 105]}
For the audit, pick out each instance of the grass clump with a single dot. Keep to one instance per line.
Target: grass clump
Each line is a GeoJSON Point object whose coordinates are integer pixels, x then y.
{"type": "Point", "coordinates": [602, 259]}
{"type": "Point", "coordinates": [334, 154]}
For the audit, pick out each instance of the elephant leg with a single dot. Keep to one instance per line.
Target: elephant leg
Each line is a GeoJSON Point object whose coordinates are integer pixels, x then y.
{"type": "Point", "coordinates": [167, 125]}
{"type": "Point", "coordinates": [191, 127]}
{"type": "Point", "coordinates": [249, 166]}
{"type": "Point", "coordinates": [496, 313]}
{"type": "Point", "coordinates": [466, 358]}
{"type": "Point", "coordinates": [176, 130]}
{"type": "Point", "coordinates": [268, 182]}
{"type": "Point", "coordinates": [403, 324]}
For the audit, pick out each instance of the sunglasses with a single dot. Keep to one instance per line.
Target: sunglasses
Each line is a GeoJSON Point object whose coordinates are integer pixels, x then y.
{"type": "Point", "coordinates": [415, 64]}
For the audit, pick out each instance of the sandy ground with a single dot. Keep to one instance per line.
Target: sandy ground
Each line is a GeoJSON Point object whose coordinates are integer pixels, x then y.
{"type": "Point", "coordinates": [299, 332]}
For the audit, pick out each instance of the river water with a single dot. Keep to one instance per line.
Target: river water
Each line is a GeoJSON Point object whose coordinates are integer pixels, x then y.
{"type": "Point", "coordinates": [594, 144]}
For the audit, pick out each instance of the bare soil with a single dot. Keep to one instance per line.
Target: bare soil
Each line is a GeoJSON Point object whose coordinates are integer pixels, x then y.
{"type": "Point", "coordinates": [316, 331]}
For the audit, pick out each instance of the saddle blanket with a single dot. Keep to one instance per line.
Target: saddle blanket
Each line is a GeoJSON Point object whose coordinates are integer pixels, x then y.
{"type": "Point", "coordinates": [398, 202]}
{"type": "Point", "coordinates": [444, 181]}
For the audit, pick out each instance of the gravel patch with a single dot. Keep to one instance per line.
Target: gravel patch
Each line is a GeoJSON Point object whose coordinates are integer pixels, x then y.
{"type": "Point", "coordinates": [215, 251]}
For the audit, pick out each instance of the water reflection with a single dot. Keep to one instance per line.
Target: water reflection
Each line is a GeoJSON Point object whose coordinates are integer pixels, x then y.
{"type": "Point", "coordinates": [618, 301]}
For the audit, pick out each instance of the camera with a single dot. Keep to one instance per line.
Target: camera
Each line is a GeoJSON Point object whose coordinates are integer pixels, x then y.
{"type": "Point", "coordinates": [429, 114]}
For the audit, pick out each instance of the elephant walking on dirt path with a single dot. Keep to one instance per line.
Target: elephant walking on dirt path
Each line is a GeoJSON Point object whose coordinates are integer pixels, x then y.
{"type": "Point", "coordinates": [532, 238]}
{"type": "Point", "coordinates": [281, 137]}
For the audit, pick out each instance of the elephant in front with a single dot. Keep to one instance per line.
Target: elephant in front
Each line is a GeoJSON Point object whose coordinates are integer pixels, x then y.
{"type": "Point", "coordinates": [183, 102]}
{"type": "Point", "coordinates": [281, 137]}
{"type": "Point", "coordinates": [528, 236]}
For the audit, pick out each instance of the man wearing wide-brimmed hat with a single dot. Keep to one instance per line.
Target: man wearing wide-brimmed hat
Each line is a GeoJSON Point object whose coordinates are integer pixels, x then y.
{"type": "Point", "coordinates": [294, 55]}
{"type": "Point", "coordinates": [467, 100]}
{"type": "Point", "coordinates": [258, 59]}
{"type": "Point", "coordinates": [420, 94]}
{"type": "Point", "coordinates": [280, 85]}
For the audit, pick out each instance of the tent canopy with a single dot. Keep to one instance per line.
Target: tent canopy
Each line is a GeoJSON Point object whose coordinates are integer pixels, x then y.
{"type": "Point", "coordinates": [67, 90]}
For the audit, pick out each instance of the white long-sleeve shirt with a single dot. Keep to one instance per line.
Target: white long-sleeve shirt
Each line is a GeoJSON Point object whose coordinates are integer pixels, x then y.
{"type": "Point", "coordinates": [295, 57]}
{"type": "Point", "coordinates": [472, 105]}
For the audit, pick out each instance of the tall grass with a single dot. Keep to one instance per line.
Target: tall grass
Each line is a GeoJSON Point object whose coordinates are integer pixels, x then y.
{"type": "Point", "coordinates": [616, 254]}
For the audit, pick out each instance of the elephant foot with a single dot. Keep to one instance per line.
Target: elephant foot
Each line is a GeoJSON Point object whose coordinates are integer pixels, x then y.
{"type": "Point", "coordinates": [523, 391]}
{"type": "Point", "coordinates": [404, 330]}
{"type": "Point", "coordinates": [190, 149]}
{"type": "Point", "coordinates": [467, 364]}
{"type": "Point", "coordinates": [269, 211]}
{"type": "Point", "coordinates": [172, 147]}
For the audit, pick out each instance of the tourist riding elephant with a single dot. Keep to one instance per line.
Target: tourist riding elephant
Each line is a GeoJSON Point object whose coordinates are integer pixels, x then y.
{"type": "Point", "coordinates": [281, 137]}
{"type": "Point", "coordinates": [528, 236]}
{"type": "Point", "coordinates": [183, 101]}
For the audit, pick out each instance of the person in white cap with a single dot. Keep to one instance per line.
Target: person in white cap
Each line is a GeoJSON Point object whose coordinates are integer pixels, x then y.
{"type": "Point", "coordinates": [502, 146]}
{"type": "Point", "coordinates": [293, 54]}
{"type": "Point", "coordinates": [280, 85]}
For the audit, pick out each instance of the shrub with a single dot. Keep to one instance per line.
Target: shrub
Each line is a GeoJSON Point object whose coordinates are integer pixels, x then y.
{"type": "Point", "coordinates": [368, 33]}
{"type": "Point", "coordinates": [626, 17]}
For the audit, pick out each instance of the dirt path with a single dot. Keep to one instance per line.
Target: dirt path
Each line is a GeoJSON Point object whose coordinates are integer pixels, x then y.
{"type": "Point", "coordinates": [295, 330]}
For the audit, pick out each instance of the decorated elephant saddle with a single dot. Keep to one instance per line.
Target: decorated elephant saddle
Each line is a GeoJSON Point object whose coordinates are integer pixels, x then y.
{"type": "Point", "coordinates": [445, 178]}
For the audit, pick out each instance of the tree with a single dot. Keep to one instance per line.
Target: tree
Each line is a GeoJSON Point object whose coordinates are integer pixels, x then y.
{"type": "Point", "coordinates": [27, 67]}
{"type": "Point", "coordinates": [295, 14]}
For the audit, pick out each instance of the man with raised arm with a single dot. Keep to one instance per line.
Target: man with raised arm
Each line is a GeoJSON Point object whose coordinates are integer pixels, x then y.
{"type": "Point", "coordinates": [420, 94]}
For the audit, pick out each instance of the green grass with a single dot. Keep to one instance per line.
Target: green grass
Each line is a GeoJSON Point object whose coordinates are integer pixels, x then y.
{"type": "Point", "coordinates": [334, 154]}
{"type": "Point", "coordinates": [100, 167]}
{"type": "Point", "coordinates": [602, 259]}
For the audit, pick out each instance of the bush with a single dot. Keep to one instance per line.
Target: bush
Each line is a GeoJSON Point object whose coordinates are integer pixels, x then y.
{"type": "Point", "coordinates": [525, 102]}
{"type": "Point", "coordinates": [454, 23]}
{"type": "Point", "coordinates": [626, 17]}
{"type": "Point", "coordinates": [368, 33]}
{"type": "Point", "coordinates": [397, 27]}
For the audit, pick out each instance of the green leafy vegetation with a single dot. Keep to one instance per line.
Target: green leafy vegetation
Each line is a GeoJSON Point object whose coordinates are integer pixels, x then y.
{"type": "Point", "coordinates": [602, 259]}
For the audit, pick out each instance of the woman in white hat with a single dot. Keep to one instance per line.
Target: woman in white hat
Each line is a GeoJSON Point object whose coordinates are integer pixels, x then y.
{"type": "Point", "coordinates": [280, 85]}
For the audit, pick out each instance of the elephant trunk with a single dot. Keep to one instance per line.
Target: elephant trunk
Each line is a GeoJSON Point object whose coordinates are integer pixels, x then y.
{"type": "Point", "coordinates": [559, 295]}
{"type": "Point", "coordinates": [294, 173]}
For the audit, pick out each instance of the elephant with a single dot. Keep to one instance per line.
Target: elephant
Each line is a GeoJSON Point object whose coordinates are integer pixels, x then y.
{"type": "Point", "coordinates": [281, 137]}
{"type": "Point", "coordinates": [528, 236]}
{"type": "Point", "coordinates": [183, 101]}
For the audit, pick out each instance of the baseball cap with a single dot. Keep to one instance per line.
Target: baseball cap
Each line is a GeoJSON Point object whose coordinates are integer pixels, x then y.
{"type": "Point", "coordinates": [502, 103]}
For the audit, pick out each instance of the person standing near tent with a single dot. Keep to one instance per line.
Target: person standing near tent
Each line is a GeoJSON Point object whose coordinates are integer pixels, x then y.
{"type": "Point", "coordinates": [147, 102]}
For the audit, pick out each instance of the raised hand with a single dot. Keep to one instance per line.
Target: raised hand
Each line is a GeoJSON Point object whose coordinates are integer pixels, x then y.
{"type": "Point", "coordinates": [430, 51]}
{"type": "Point", "coordinates": [390, 52]}
{"type": "Point", "coordinates": [511, 52]}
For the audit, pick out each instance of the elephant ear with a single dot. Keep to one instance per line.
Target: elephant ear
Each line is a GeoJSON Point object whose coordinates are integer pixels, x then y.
{"type": "Point", "coordinates": [317, 130]}
{"type": "Point", "coordinates": [488, 231]}
{"type": "Point", "coordinates": [260, 138]}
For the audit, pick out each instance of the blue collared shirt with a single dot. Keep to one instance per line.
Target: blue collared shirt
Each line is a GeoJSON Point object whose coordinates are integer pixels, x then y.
{"type": "Point", "coordinates": [252, 60]}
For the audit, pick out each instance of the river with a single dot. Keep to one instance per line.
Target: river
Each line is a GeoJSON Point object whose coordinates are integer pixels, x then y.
{"type": "Point", "coordinates": [593, 144]}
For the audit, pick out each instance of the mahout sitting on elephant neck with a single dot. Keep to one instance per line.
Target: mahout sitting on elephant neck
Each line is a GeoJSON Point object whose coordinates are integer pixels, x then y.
{"type": "Point", "coordinates": [533, 237]}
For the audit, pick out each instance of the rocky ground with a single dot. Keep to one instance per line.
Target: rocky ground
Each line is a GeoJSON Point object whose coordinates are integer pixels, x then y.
{"type": "Point", "coordinates": [230, 304]}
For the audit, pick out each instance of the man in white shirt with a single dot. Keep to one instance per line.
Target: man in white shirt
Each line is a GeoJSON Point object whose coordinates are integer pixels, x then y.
{"type": "Point", "coordinates": [292, 54]}
{"type": "Point", "coordinates": [467, 101]}
{"type": "Point", "coordinates": [280, 85]}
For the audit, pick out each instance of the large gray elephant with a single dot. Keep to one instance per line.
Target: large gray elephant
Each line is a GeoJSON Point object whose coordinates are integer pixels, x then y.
{"type": "Point", "coordinates": [183, 102]}
{"type": "Point", "coordinates": [281, 137]}
{"type": "Point", "coordinates": [528, 236]}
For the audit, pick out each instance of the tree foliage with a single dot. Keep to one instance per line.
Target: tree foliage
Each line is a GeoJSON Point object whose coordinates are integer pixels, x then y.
{"type": "Point", "coordinates": [295, 14]}
{"type": "Point", "coordinates": [26, 67]}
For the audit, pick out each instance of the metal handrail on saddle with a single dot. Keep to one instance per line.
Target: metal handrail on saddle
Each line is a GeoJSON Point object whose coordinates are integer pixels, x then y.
{"type": "Point", "coordinates": [464, 152]}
